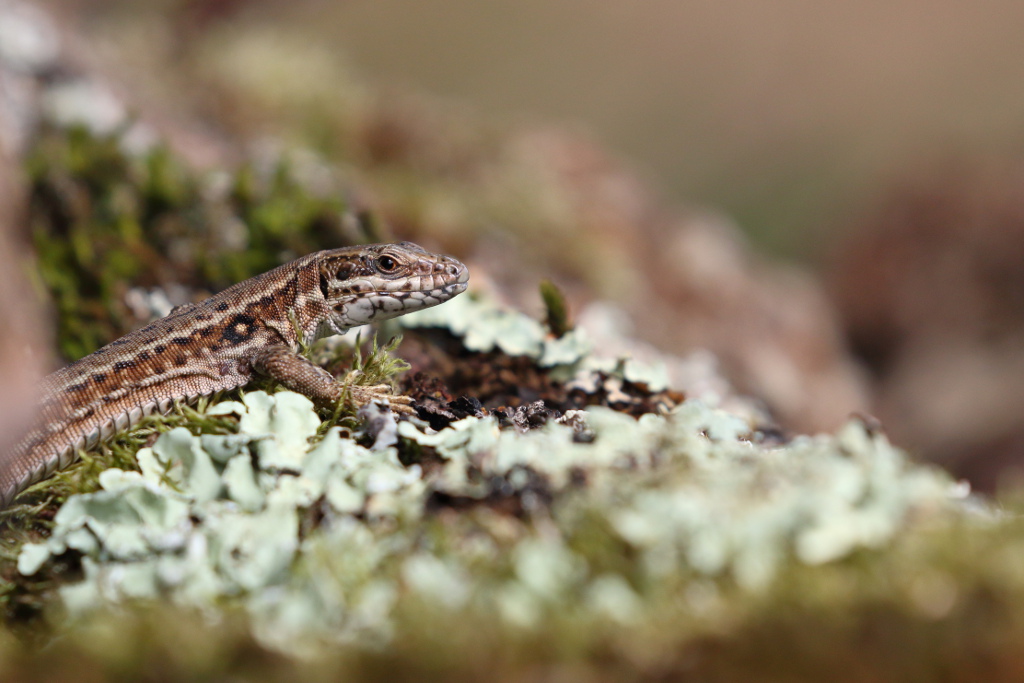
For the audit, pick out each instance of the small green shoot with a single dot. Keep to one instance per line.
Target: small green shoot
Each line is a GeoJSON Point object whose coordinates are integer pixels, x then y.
{"type": "Point", "coordinates": [556, 309]}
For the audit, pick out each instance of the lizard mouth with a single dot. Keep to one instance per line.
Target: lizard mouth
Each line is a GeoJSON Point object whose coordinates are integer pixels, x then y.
{"type": "Point", "coordinates": [441, 292]}
{"type": "Point", "coordinates": [454, 288]}
{"type": "Point", "coordinates": [430, 296]}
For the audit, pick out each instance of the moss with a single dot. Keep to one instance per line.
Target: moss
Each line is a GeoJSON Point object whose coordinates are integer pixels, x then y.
{"type": "Point", "coordinates": [105, 220]}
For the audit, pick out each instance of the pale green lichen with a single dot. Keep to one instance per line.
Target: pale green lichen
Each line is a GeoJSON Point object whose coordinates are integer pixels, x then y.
{"type": "Point", "coordinates": [484, 325]}
{"type": "Point", "coordinates": [218, 517]}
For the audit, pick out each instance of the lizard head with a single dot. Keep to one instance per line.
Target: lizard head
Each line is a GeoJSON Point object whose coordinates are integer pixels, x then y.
{"type": "Point", "coordinates": [375, 282]}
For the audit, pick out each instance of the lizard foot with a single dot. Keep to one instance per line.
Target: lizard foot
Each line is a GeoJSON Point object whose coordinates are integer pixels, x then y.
{"type": "Point", "coordinates": [362, 395]}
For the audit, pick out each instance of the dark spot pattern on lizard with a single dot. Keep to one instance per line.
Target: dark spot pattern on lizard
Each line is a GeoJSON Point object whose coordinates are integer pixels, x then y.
{"type": "Point", "coordinates": [124, 364]}
{"type": "Point", "coordinates": [238, 329]}
{"type": "Point", "coordinates": [99, 377]}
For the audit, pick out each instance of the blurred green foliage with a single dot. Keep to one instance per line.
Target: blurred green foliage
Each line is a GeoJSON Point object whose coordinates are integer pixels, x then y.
{"type": "Point", "coordinates": [105, 220]}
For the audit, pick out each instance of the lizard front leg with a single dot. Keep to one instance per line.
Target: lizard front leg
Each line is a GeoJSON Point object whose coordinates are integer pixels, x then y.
{"type": "Point", "coordinates": [297, 373]}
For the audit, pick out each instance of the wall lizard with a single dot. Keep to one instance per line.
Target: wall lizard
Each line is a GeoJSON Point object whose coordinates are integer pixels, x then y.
{"type": "Point", "coordinates": [252, 328]}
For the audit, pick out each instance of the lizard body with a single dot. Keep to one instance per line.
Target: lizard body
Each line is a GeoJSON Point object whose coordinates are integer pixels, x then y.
{"type": "Point", "coordinates": [252, 328]}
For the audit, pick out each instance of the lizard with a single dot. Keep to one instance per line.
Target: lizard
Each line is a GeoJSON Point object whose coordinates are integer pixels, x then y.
{"type": "Point", "coordinates": [254, 328]}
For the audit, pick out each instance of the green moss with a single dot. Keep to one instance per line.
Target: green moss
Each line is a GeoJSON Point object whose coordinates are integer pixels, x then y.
{"type": "Point", "coordinates": [379, 366]}
{"type": "Point", "coordinates": [281, 216]}
{"type": "Point", "coordinates": [105, 220]}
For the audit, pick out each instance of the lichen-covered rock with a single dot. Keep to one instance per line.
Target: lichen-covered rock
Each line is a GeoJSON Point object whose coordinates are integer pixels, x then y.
{"type": "Point", "coordinates": [683, 497]}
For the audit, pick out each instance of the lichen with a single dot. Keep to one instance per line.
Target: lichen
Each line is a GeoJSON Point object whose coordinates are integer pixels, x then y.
{"type": "Point", "coordinates": [220, 517]}
{"type": "Point", "coordinates": [484, 325]}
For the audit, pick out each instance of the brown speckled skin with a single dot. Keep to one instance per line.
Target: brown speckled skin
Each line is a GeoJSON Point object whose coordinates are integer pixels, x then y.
{"type": "Point", "coordinates": [219, 343]}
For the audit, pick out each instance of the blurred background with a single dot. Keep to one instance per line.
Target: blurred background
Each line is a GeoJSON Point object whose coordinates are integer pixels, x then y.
{"type": "Point", "coordinates": [786, 116]}
{"type": "Point", "coordinates": [829, 196]}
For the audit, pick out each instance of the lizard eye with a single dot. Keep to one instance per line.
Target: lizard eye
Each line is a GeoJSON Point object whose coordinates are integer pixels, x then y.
{"type": "Point", "coordinates": [387, 264]}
